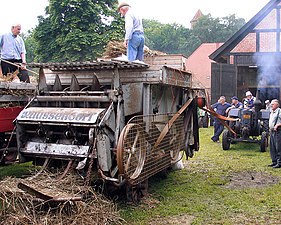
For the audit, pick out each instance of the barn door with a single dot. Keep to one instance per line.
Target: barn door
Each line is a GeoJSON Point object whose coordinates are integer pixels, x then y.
{"type": "Point", "coordinates": [223, 81]}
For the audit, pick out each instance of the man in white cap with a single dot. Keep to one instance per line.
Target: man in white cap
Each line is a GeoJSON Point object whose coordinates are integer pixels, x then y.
{"type": "Point", "coordinates": [134, 36]}
{"type": "Point", "coordinates": [248, 102]}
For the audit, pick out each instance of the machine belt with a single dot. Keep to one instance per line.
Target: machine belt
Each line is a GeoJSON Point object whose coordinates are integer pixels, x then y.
{"type": "Point", "coordinates": [170, 123]}
{"type": "Point", "coordinates": [221, 118]}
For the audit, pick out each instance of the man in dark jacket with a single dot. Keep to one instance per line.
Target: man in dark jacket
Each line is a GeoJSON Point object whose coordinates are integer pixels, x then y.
{"type": "Point", "coordinates": [220, 107]}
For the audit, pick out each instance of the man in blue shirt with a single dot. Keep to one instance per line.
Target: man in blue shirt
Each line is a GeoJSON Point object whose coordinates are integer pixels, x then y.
{"type": "Point", "coordinates": [12, 49]}
{"type": "Point", "coordinates": [220, 107]}
{"type": "Point", "coordinates": [235, 104]}
{"type": "Point", "coordinates": [134, 37]}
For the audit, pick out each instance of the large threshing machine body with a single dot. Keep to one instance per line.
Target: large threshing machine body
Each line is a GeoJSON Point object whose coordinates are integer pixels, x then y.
{"type": "Point", "coordinates": [120, 121]}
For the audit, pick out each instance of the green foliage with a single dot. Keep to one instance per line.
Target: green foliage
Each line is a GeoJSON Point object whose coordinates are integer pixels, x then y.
{"type": "Point", "coordinates": [169, 38]}
{"type": "Point", "coordinates": [177, 39]}
{"type": "Point", "coordinates": [209, 29]}
{"type": "Point", "coordinates": [76, 30]}
{"type": "Point", "coordinates": [29, 45]}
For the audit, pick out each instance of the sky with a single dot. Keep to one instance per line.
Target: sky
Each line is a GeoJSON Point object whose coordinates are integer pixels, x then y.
{"type": "Point", "coordinates": [26, 12]}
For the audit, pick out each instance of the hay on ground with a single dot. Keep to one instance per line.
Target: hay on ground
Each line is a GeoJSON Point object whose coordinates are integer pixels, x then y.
{"type": "Point", "coordinates": [19, 207]}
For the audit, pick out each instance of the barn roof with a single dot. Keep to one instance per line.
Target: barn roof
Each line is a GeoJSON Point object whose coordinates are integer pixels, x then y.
{"type": "Point", "coordinates": [221, 53]}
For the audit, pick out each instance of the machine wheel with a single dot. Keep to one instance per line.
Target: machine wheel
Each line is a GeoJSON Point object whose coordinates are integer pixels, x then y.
{"type": "Point", "coordinates": [10, 157]}
{"type": "Point", "coordinates": [264, 142]}
{"type": "Point", "coordinates": [176, 142]}
{"type": "Point", "coordinates": [226, 140]}
{"type": "Point", "coordinates": [131, 150]}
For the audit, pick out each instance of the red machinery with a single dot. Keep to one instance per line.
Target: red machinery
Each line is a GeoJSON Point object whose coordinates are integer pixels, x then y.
{"type": "Point", "coordinates": [13, 98]}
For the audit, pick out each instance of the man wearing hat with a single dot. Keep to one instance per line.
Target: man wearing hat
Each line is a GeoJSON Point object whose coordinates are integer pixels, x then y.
{"type": "Point", "coordinates": [134, 36]}
{"type": "Point", "coordinates": [235, 104]}
{"type": "Point", "coordinates": [220, 107]}
{"type": "Point", "coordinates": [248, 102]}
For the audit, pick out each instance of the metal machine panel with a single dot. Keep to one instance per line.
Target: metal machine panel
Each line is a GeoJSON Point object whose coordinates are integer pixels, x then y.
{"type": "Point", "coordinates": [104, 154]}
{"type": "Point", "coordinates": [7, 115]}
{"type": "Point", "coordinates": [132, 94]}
{"type": "Point", "coordinates": [264, 114]}
{"type": "Point", "coordinates": [55, 149]}
{"type": "Point", "coordinates": [234, 113]}
{"type": "Point", "coordinates": [66, 115]}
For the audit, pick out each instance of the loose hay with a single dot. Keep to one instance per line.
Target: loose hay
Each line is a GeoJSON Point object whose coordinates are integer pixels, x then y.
{"type": "Point", "coordinates": [116, 48]}
{"type": "Point", "coordinates": [10, 77]}
{"type": "Point", "coordinates": [19, 207]}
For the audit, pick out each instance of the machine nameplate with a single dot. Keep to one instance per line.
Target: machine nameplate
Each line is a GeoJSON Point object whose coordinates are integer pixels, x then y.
{"type": "Point", "coordinates": [68, 115]}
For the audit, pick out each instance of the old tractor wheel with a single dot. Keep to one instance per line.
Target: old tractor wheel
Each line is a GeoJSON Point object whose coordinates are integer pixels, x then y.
{"type": "Point", "coordinates": [226, 140]}
{"type": "Point", "coordinates": [131, 151]}
{"type": "Point", "coordinates": [264, 142]}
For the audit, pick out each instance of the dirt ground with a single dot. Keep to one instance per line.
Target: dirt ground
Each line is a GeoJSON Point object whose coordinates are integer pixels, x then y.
{"type": "Point", "coordinates": [175, 220]}
{"type": "Point", "coordinates": [250, 179]}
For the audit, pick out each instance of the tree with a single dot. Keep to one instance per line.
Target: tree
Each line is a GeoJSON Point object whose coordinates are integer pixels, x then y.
{"type": "Point", "coordinates": [209, 29]}
{"type": "Point", "coordinates": [176, 39]}
{"type": "Point", "coordinates": [169, 38]}
{"type": "Point", "coordinates": [29, 45]}
{"type": "Point", "coordinates": [76, 30]}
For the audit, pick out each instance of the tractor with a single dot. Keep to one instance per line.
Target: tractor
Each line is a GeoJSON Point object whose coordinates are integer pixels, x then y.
{"type": "Point", "coordinates": [251, 126]}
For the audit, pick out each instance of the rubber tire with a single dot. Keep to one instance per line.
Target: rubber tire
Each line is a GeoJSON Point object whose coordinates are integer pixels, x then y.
{"type": "Point", "coordinates": [226, 140]}
{"type": "Point", "coordinates": [264, 142]}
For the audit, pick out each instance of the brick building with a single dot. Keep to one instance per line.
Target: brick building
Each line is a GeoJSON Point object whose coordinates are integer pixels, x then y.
{"type": "Point", "coordinates": [251, 58]}
{"type": "Point", "coordinates": [200, 65]}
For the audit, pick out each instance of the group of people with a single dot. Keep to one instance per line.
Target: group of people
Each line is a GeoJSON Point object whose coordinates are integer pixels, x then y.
{"type": "Point", "coordinates": [222, 108]}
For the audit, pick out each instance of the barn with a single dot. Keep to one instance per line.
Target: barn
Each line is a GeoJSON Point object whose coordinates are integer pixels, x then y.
{"type": "Point", "coordinates": [250, 59]}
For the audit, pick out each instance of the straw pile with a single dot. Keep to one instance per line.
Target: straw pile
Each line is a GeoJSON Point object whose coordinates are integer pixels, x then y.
{"type": "Point", "coordinates": [19, 207]}
{"type": "Point", "coordinates": [116, 48]}
{"type": "Point", "coordinates": [10, 77]}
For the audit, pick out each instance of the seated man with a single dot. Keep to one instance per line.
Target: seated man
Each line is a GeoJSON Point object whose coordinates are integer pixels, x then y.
{"type": "Point", "coordinates": [235, 104]}
{"type": "Point", "coordinates": [248, 102]}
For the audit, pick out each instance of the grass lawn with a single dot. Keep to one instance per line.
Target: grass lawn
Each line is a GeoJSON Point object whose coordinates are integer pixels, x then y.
{"type": "Point", "coordinates": [216, 187]}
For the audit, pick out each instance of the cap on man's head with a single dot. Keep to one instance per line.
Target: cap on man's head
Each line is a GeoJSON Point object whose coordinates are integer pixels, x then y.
{"type": "Point", "coordinates": [266, 101]}
{"type": "Point", "coordinates": [234, 97]}
{"type": "Point", "coordinates": [248, 93]}
{"type": "Point", "coordinates": [122, 4]}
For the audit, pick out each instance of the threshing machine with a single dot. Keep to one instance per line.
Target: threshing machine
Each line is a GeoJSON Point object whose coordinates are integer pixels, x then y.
{"type": "Point", "coordinates": [120, 122]}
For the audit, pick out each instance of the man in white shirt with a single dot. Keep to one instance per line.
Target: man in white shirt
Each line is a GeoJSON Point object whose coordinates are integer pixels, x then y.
{"type": "Point", "coordinates": [134, 36]}
{"type": "Point", "coordinates": [275, 134]}
{"type": "Point", "coordinates": [12, 49]}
